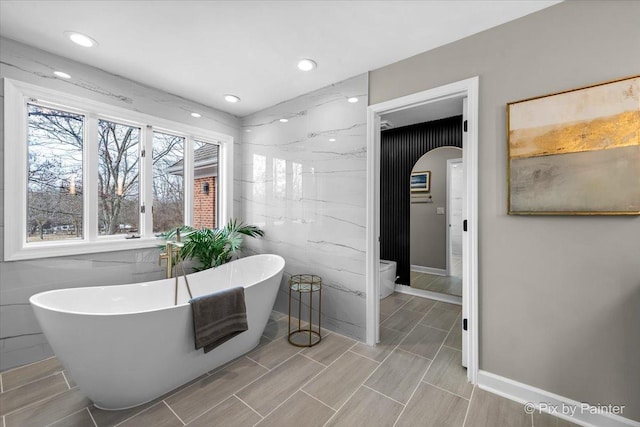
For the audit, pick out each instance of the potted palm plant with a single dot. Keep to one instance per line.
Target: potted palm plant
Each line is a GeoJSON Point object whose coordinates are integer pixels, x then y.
{"type": "Point", "coordinates": [212, 247]}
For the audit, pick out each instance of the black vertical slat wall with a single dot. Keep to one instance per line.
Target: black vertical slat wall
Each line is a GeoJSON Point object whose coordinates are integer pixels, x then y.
{"type": "Point", "coordinates": [400, 149]}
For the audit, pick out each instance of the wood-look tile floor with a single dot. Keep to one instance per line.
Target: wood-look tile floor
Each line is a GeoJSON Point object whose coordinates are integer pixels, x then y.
{"type": "Point", "coordinates": [412, 378]}
{"type": "Point", "coordinates": [451, 285]}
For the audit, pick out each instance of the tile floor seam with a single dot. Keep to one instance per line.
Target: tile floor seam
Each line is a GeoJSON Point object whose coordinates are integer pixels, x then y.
{"type": "Point", "coordinates": [440, 329]}
{"type": "Point", "coordinates": [30, 404]}
{"type": "Point", "coordinates": [246, 404]}
{"type": "Point", "coordinates": [133, 415]}
{"type": "Point", "coordinates": [313, 360]}
{"type": "Point", "coordinates": [434, 358]}
{"type": "Point", "coordinates": [363, 382]}
{"type": "Point", "coordinates": [173, 412]}
{"type": "Point", "coordinates": [257, 363]}
{"type": "Point", "coordinates": [455, 322]}
{"type": "Point", "coordinates": [315, 398]}
{"type": "Point", "coordinates": [396, 310]}
{"type": "Point", "coordinates": [280, 404]}
{"type": "Point", "coordinates": [416, 387]}
{"type": "Point", "coordinates": [444, 389]}
{"type": "Point", "coordinates": [268, 371]}
{"type": "Point", "coordinates": [384, 395]}
{"type": "Point", "coordinates": [329, 365]}
{"type": "Point", "coordinates": [63, 418]}
{"type": "Point", "coordinates": [91, 416]}
{"type": "Point", "coordinates": [66, 380]}
{"type": "Point", "coordinates": [358, 354]}
{"type": "Point", "coordinates": [415, 354]}
{"type": "Point", "coordinates": [452, 348]}
{"type": "Point", "coordinates": [466, 415]}
{"type": "Point", "coordinates": [28, 364]}
{"type": "Point", "coordinates": [33, 381]}
{"type": "Point", "coordinates": [404, 407]}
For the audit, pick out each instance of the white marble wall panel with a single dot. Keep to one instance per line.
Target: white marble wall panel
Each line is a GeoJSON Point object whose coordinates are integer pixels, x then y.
{"type": "Point", "coordinates": [308, 194]}
{"type": "Point", "coordinates": [21, 340]}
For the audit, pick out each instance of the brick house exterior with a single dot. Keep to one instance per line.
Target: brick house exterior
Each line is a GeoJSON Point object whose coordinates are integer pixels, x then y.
{"type": "Point", "coordinates": [204, 184]}
{"type": "Point", "coordinates": [204, 205]}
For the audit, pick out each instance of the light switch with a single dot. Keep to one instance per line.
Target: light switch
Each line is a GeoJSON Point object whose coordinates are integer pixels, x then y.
{"type": "Point", "coordinates": [440, 211]}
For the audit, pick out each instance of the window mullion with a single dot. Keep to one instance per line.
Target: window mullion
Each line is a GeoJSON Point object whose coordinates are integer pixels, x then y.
{"type": "Point", "coordinates": [146, 182]}
{"type": "Point", "coordinates": [188, 181]}
{"type": "Point", "coordinates": [90, 191]}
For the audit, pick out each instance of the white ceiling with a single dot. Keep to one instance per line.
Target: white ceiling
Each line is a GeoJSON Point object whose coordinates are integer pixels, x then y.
{"type": "Point", "coordinates": [202, 50]}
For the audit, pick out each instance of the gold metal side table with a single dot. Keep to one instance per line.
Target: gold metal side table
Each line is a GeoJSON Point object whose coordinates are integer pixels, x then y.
{"type": "Point", "coordinates": [305, 284]}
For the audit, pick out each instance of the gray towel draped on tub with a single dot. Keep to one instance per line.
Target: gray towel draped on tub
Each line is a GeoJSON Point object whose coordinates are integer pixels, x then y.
{"type": "Point", "coordinates": [218, 317]}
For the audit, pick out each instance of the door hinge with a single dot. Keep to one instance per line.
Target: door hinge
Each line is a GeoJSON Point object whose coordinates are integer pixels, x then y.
{"type": "Point", "coordinates": [464, 225]}
{"type": "Point", "coordinates": [143, 153]}
{"type": "Point", "coordinates": [464, 324]}
{"type": "Point", "coordinates": [142, 209]}
{"type": "Point", "coordinates": [464, 126]}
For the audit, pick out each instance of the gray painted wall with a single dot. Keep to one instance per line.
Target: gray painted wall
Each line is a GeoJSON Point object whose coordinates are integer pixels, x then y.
{"type": "Point", "coordinates": [559, 296]}
{"type": "Point", "coordinates": [428, 229]}
{"type": "Point", "coordinates": [21, 340]}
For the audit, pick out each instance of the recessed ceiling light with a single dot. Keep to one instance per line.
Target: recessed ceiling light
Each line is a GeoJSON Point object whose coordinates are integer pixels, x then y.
{"type": "Point", "coordinates": [332, 140]}
{"type": "Point", "coordinates": [353, 99]}
{"type": "Point", "coordinates": [284, 120]}
{"type": "Point", "coordinates": [196, 115]}
{"type": "Point", "coordinates": [62, 75]}
{"type": "Point", "coordinates": [81, 39]}
{"type": "Point", "coordinates": [307, 64]}
{"type": "Point", "coordinates": [248, 131]}
{"type": "Point", "coordinates": [231, 98]}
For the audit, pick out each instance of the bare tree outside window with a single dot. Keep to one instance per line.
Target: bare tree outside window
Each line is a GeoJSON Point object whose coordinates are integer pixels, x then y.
{"type": "Point", "coordinates": [118, 189]}
{"type": "Point", "coordinates": [168, 182]}
{"type": "Point", "coordinates": [54, 184]}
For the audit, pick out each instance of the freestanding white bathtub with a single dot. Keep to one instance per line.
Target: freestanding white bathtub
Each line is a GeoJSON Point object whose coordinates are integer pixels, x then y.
{"type": "Point", "coordinates": [126, 345]}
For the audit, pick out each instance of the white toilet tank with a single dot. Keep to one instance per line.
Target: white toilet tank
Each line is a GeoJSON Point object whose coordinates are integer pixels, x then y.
{"type": "Point", "coordinates": [387, 278]}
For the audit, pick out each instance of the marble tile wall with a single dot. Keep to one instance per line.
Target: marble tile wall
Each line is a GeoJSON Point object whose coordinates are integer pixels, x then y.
{"type": "Point", "coordinates": [308, 194]}
{"type": "Point", "coordinates": [21, 340]}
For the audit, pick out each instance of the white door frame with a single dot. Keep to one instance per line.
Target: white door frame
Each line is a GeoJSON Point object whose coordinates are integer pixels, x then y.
{"type": "Point", "coordinates": [465, 88]}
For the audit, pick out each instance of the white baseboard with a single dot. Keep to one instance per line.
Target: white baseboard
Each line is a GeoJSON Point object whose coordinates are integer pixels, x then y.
{"type": "Point", "coordinates": [545, 401]}
{"type": "Point", "coordinates": [429, 270]}
{"type": "Point", "coordinates": [452, 299]}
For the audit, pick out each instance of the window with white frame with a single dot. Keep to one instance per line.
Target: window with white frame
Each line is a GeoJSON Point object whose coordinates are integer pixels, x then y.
{"type": "Point", "coordinates": [82, 176]}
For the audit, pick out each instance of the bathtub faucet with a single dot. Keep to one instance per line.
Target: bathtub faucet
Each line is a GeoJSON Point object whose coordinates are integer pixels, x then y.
{"type": "Point", "coordinates": [172, 249]}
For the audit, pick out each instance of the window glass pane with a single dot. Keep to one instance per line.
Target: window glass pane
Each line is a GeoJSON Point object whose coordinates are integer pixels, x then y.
{"type": "Point", "coordinates": [168, 181]}
{"type": "Point", "coordinates": [205, 182]}
{"type": "Point", "coordinates": [118, 190]}
{"type": "Point", "coordinates": [54, 187]}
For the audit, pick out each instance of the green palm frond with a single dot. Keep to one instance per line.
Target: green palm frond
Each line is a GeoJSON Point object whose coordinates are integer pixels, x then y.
{"type": "Point", "coordinates": [213, 247]}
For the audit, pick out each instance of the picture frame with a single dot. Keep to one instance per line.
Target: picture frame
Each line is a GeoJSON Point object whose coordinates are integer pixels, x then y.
{"type": "Point", "coordinates": [420, 182]}
{"type": "Point", "coordinates": [576, 152]}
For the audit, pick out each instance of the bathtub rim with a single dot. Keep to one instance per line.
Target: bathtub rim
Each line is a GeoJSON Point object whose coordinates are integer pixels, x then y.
{"type": "Point", "coordinates": [33, 299]}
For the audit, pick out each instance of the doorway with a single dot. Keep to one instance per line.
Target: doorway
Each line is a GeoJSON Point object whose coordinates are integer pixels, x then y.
{"type": "Point", "coordinates": [467, 89]}
{"type": "Point", "coordinates": [436, 224]}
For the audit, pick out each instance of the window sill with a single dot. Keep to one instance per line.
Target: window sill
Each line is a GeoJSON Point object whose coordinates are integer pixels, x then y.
{"type": "Point", "coordinates": [56, 249]}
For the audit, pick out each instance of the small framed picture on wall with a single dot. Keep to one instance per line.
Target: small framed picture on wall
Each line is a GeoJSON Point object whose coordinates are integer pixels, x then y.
{"type": "Point", "coordinates": [421, 182]}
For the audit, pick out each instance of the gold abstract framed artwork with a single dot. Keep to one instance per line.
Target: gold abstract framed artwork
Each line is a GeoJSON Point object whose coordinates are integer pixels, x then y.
{"type": "Point", "coordinates": [576, 152]}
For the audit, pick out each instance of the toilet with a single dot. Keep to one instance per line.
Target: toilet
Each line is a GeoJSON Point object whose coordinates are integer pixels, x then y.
{"type": "Point", "coordinates": [387, 278]}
